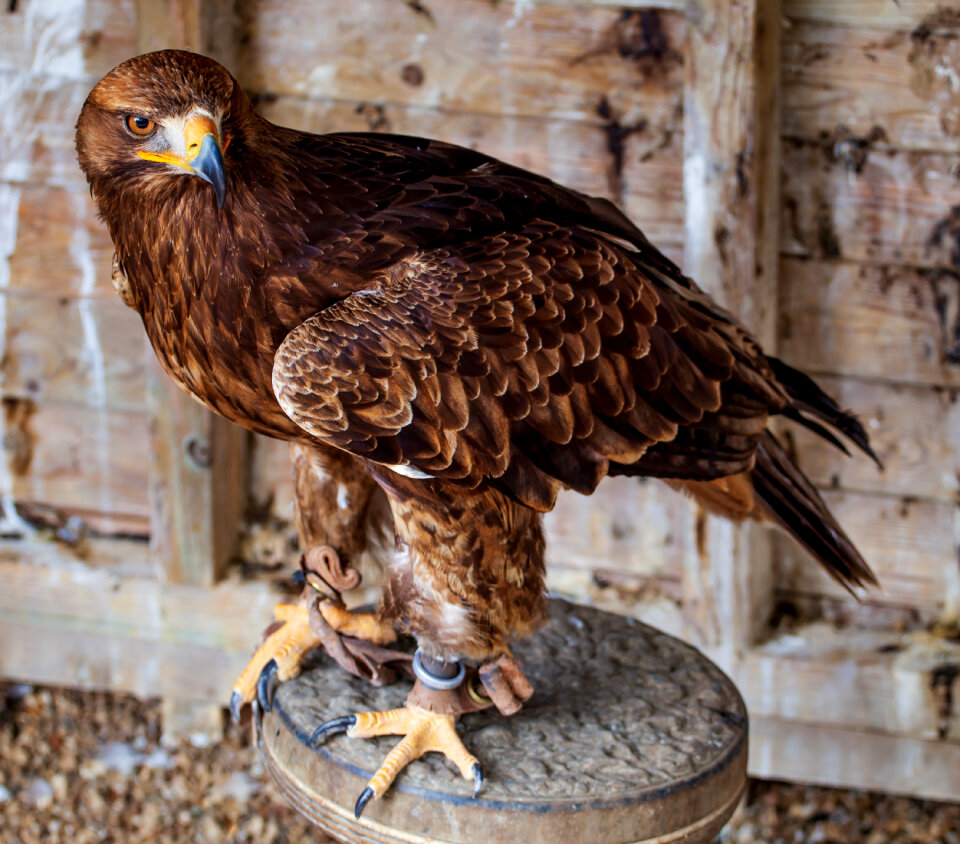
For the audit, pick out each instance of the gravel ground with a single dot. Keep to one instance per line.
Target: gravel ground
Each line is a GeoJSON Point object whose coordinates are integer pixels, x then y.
{"type": "Point", "coordinates": [84, 767]}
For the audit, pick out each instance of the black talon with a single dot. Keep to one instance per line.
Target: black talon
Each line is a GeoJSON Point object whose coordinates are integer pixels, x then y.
{"type": "Point", "coordinates": [267, 685]}
{"type": "Point", "coordinates": [477, 779]}
{"type": "Point", "coordinates": [299, 578]}
{"type": "Point", "coordinates": [332, 727]}
{"type": "Point", "coordinates": [365, 797]}
{"type": "Point", "coordinates": [236, 704]}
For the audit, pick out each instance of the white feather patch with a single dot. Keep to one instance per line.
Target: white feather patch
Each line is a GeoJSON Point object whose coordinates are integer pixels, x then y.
{"type": "Point", "coordinates": [409, 472]}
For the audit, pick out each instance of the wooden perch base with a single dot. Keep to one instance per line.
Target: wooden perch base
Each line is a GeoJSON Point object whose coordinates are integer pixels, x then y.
{"type": "Point", "coordinates": [631, 736]}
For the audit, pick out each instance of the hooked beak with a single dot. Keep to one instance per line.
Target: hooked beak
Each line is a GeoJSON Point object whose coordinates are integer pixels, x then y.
{"type": "Point", "coordinates": [204, 156]}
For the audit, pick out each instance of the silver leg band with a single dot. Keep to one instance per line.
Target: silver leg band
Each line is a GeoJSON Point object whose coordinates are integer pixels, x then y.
{"type": "Point", "coordinates": [432, 681]}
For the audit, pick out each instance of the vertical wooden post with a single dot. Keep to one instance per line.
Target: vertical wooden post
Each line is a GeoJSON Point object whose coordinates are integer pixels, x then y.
{"type": "Point", "coordinates": [731, 188]}
{"type": "Point", "coordinates": [198, 460]}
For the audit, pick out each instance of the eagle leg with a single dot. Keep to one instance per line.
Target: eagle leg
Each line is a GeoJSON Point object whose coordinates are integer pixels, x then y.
{"type": "Point", "coordinates": [423, 731]}
{"type": "Point", "coordinates": [290, 637]}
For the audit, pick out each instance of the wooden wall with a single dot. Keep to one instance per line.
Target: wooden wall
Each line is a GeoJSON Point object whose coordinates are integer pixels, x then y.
{"type": "Point", "coordinates": [854, 108]}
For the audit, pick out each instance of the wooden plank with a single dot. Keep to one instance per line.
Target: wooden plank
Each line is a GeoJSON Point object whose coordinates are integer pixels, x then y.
{"type": "Point", "coordinates": [627, 525]}
{"type": "Point", "coordinates": [119, 556]}
{"type": "Point", "coordinates": [787, 750]}
{"type": "Point", "coordinates": [645, 177]}
{"type": "Point", "coordinates": [470, 55]}
{"type": "Point", "coordinates": [38, 116]}
{"type": "Point", "coordinates": [731, 143]}
{"type": "Point", "coordinates": [914, 429]}
{"type": "Point", "coordinates": [81, 460]}
{"type": "Point", "coordinates": [74, 350]}
{"type": "Point", "coordinates": [861, 86]}
{"type": "Point", "coordinates": [891, 323]}
{"type": "Point", "coordinates": [67, 40]}
{"type": "Point", "coordinates": [197, 483]}
{"type": "Point", "coordinates": [910, 544]}
{"type": "Point", "coordinates": [76, 626]}
{"type": "Point", "coordinates": [896, 210]}
{"type": "Point", "coordinates": [890, 682]}
{"type": "Point", "coordinates": [198, 460]}
{"type": "Point", "coordinates": [903, 14]}
{"type": "Point", "coordinates": [58, 245]}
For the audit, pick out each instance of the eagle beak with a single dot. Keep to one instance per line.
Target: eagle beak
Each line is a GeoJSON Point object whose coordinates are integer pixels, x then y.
{"type": "Point", "coordinates": [204, 156]}
{"type": "Point", "coordinates": [208, 164]}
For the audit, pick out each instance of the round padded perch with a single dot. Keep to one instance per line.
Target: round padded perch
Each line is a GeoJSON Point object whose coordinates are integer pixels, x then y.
{"type": "Point", "coordinates": [631, 736]}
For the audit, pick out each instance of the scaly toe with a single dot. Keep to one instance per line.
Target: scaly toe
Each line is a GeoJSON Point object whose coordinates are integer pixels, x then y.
{"type": "Point", "coordinates": [423, 731]}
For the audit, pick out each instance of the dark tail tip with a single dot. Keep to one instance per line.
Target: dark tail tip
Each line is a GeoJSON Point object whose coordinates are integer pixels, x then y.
{"type": "Point", "coordinates": [793, 502]}
{"type": "Point", "coordinates": [809, 400]}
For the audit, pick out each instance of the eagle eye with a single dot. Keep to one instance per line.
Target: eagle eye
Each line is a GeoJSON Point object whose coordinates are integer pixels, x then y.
{"type": "Point", "coordinates": [139, 125]}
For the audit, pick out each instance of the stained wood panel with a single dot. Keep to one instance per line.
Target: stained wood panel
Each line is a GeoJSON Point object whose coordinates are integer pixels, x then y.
{"type": "Point", "coordinates": [83, 351]}
{"type": "Point", "coordinates": [871, 321]}
{"type": "Point", "coordinates": [897, 209]}
{"type": "Point", "coordinates": [80, 460]}
{"type": "Point", "coordinates": [861, 86]}
{"type": "Point", "coordinates": [58, 246]}
{"type": "Point", "coordinates": [627, 525]}
{"type": "Point", "coordinates": [858, 679]}
{"type": "Point", "coordinates": [914, 430]}
{"type": "Point", "coordinates": [857, 759]}
{"type": "Point", "coordinates": [70, 40]}
{"type": "Point", "coordinates": [904, 14]}
{"type": "Point", "coordinates": [469, 55]}
{"type": "Point", "coordinates": [909, 543]}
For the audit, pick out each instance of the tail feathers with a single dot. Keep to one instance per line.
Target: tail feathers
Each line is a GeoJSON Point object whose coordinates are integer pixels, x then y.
{"type": "Point", "coordinates": [792, 501]}
{"type": "Point", "coordinates": [809, 400]}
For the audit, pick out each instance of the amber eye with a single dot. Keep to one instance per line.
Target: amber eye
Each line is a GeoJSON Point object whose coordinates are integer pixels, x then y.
{"type": "Point", "coordinates": [139, 125]}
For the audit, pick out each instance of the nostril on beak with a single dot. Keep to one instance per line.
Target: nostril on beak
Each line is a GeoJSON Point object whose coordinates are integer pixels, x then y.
{"type": "Point", "coordinates": [193, 149]}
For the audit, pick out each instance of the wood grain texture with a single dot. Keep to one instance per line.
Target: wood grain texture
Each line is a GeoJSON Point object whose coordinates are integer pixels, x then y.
{"type": "Point", "coordinates": [787, 749]}
{"type": "Point", "coordinates": [905, 14]}
{"type": "Point", "coordinates": [82, 460]}
{"type": "Point", "coordinates": [860, 85]}
{"type": "Point", "coordinates": [731, 161]}
{"type": "Point", "coordinates": [910, 544]}
{"type": "Point", "coordinates": [77, 41]}
{"type": "Point", "coordinates": [469, 55]}
{"type": "Point", "coordinates": [915, 430]}
{"type": "Point", "coordinates": [896, 324]}
{"type": "Point", "coordinates": [897, 209]}
{"type": "Point", "coordinates": [60, 248]}
{"type": "Point", "coordinates": [74, 350]}
{"type": "Point", "coordinates": [868, 680]}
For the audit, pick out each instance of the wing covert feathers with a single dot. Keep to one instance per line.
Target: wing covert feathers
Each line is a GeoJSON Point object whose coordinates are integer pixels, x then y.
{"type": "Point", "coordinates": [531, 361]}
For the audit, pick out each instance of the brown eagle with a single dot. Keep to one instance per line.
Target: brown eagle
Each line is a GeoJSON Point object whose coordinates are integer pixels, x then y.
{"type": "Point", "coordinates": [467, 336]}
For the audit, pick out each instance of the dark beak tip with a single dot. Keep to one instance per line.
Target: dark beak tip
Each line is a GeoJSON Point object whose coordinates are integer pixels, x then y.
{"type": "Point", "coordinates": [208, 165]}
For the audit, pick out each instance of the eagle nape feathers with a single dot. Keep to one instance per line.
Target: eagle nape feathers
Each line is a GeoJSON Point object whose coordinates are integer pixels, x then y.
{"type": "Point", "coordinates": [452, 336]}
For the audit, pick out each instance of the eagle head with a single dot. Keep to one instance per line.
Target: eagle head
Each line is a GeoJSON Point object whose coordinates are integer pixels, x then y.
{"type": "Point", "coordinates": [155, 119]}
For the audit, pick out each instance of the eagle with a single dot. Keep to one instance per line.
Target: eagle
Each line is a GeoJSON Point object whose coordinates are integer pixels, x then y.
{"type": "Point", "coordinates": [457, 335]}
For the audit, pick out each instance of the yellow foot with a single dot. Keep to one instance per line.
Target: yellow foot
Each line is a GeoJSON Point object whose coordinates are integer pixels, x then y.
{"type": "Point", "coordinates": [278, 658]}
{"type": "Point", "coordinates": [422, 730]}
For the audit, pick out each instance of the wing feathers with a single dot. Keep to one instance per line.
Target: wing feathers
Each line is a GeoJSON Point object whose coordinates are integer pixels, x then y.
{"type": "Point", "coordinates": [537, 359]}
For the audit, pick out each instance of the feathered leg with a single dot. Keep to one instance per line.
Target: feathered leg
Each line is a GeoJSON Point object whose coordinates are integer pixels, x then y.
{"type": "Point", "coordinates": [341, 515]}
{"type": "Point", "coordinates": [468, 576]}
